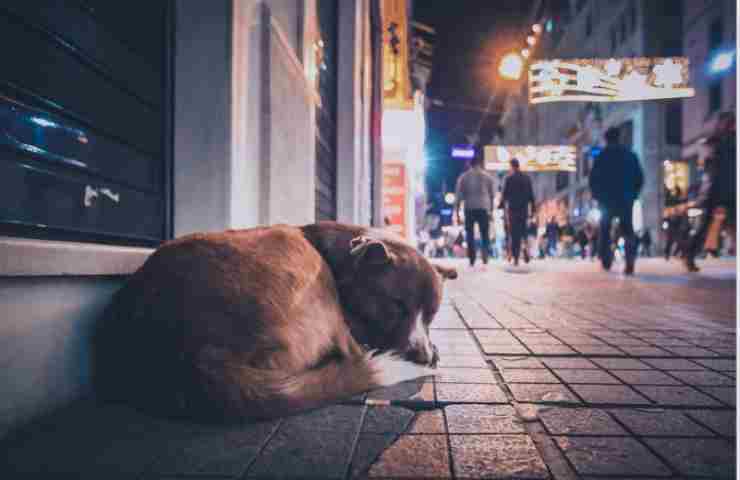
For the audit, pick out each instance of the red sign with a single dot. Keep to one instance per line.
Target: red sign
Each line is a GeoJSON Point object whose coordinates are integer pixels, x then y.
{"type": "Point", "coordinates": [394, 197]}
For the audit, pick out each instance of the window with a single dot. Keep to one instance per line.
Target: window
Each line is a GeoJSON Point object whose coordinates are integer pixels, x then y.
{"type": "Point", "coordinates": [715, 97]}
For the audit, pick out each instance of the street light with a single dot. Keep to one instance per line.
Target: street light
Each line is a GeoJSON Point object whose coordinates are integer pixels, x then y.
{"type": "Point", "coordinates": [537, 28]}
{"type": "Point", "coordinates": [511, 66]}
{"type": "Point", "coordinates": [525, 53]}
{"type": "Point", "coordinates": [531, 40]}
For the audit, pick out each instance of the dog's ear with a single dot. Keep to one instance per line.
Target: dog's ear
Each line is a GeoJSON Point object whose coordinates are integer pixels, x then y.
{"type": "Point", "coordinates": [370, 251]}
{"type": "Point", "coordinates": [446, 272]}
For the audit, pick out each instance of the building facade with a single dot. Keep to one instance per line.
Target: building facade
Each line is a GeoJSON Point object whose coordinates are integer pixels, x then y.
{"type": "Point", "coordinates": [593, 29]}
{"type": "Point", "coordinates": [206, 116]}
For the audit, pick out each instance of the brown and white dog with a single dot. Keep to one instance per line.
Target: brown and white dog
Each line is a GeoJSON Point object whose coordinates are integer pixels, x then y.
{"type": "Point", "coordinates": [267, 322]}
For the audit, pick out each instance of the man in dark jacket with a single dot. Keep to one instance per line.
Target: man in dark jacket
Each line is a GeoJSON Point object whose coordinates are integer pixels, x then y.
{"type": "Point", "coordinates": [616, 181]}
{"type": "Point", "coordinates": [517, 198]}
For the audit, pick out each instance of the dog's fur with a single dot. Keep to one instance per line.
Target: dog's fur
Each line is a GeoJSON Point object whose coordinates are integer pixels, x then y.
{"type": "Point", "coordinates": [268, 322]}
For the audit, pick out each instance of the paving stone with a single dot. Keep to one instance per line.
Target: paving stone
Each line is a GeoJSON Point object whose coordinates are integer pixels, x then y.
{"type": "Point", "coordinates": [482, 419]}
{"type": "Point", "coordinates": [342, 417]}
{"type": "Point", "coordinates": [496, 337]}
{"type": "Point", "coordinates": [616, 394]}
{"type": "Point", "coordinates": [585, 376]}
{"type": "Point", "coordinates": [214, 450]}
{"type": "Point", "coordinates": [644, 351]}
{"type": "Point", "coordinates": [510, 362]}
{"type": "Point", "coordinates": [697, 456]}
{"type": "Point", "coordinates": [428, 422]}
{"type": "Point", "coordinates": [659, 422]}
{"type": "Point", "coordinates": [689, 351]}
{"type": "Point", "coordinates": [610, 456]}
{"type": "Point", "coordinates": [645, 377]}
{"type": "Point", "coordinates": [543, 338]}
{"type": "Point", "coordinates": [462, 361]}
{"type": "Point", "coordinates": [579, 421]}
{"type": "Point", "coordinates": [721, 421]}
{"type": "Point", "coordinates": [529, 376]}
{"type": "Point", "coordinates": [621, 364]}
{"type": "Point", "coordinates": [569, 363]}
{"type": "Point", "coordinates": [469, 393]}
{"type": "Point", "coordinates": [551, 350]}
{"type": "Point", "coordinates": [673, 363]}
{"type": "Point", "coordinates": [496, 456]}
{"type": "Point", "coordinates": [400, 391]}
{"type": "Point", "coordinates": [295, 450]}
{"type": "Point", "coordinates": [456, 349]}
{"type": "Point", "coordinates": [596, 350]}
{"type": "Point", "coordinates": [524, 392]}
{"type": "Point", "coordinates": [464, 375]}
{"type": "Point", "coordinates": [726, 395]}
{"type": "Point", "coordinates": [412, 456]}
{"type": "Point", "coordinates": [387, 420]}
{"type": "Point", "coordinates": [670, 395]}
{"type": "Point", "coordinates": [704, 378]}
{"type": "Point", "coordinates": [498, 349]}
{"type": "Point", "coordinates": [719, 364]}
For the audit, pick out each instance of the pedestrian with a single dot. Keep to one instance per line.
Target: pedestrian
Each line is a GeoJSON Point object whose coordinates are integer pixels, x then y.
{"type": "Point", "coordinates": [518, 198]}
{"type": "Point", "coordinates": [646, 242]}
{"type": "Point", "coordinates": [616, 180]}
{"type": "Point", "coordinates": [582, 240]}
{"type": "Point", "coordinates": [475, 191]}
{"type": "Point", "coordinates": [552, 232]}
{"type": "Point", "coordinates": [719, 186]}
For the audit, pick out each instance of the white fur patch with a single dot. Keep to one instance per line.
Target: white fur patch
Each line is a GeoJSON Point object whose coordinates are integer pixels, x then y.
{"type": "Point", "coordinates": [390, 369]}
{"type": "Point", "coordinates": [419, 339]}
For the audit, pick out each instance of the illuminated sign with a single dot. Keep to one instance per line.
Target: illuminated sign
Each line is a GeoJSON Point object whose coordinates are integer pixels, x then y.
{"type": "Point", "coordinates": [612, 80]}
{"type": "Point", "coordinates": [543, 158]}
{"type": "Point", "coordinates": [463, 151]}
{"type": "Point", "coordinates": [394, 197]}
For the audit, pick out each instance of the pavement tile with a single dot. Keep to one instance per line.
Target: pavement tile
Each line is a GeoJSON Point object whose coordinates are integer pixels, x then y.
{"type": "Point", "coordinates": [596, 350]}
{"type": "Point", "coordinates": [674, 363]}
{"type": "Point", "coordinates": [644, 351]}
{"type": "Point", "coordinates": [569, 363]}
{"type": "Point", "coordinates": [428, 422]}
{"type": "Point", "coordinates": [342, 417]}
{"type": "Point", "coordinates": [538, 339]}
{"type": "Point", "coordinates": [645, 377]}
{"type": "Point", "coordinates": [726, 395]}
{"type": "Point", "coordinates": [453, 349]}
{"type": "Point", "coordinates": [464, 375]}
{"type": "Point", "coordinates": [704, 378]}
{"type": "Point", "coordinates": [496, 456]}
{"type": "Point", "coordinates": [719, 364]}
{"type": "Point", "coordinates": [551, 350]}
{"type": "Point", "coordinates": [400, 391]}
{"type": "Point", "coordinates": [482, 419]}
{"type": "Point", "coordinates": [610, 456]}
{"type": "Point", "coordinates": [579, 421]}
{"type": "Point", "coordinates": [469, 393]}
{"type": "Point", "coordinates": [672, 395]}
{"type": "Point", "coordinates": [387, 420]}
{"type": "Point", "coordinates": [524, 392]}
{"type": "Point", "coordinates": [721, 421]}
{"type": "Point", "coordinates": [621, 364]}
{"type": "Point", "coordinates": [498, 349]}
{"type": "Point", "coordinates": [689, 352]}
{"type": "Point", "coordinates": [411, 456]}
{"type": "Point", "coordinates": [214, 450]}
{"type": "Point", "coordinates": [585, 376]}
{"type": "Point", "coordinates": [513, 362]}
{"type": "Point", "coordinates": [669, 423]}
{"type": "Point", "coordinates": [529, 376]}
{"type": "Point", "coordinates": [697, 456]}
{"type": "Point", "coordinates": [616, 394]}
{"type": "Point", "coordinates": [462, 361]}
{"type": "Point", "coordinates": [295, 450]}
{"type": "Point", "coordinates": [495, 337]}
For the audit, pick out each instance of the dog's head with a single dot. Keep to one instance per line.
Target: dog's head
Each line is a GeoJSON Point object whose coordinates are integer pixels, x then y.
{"type": "Point", "coordinates": [390, 292]}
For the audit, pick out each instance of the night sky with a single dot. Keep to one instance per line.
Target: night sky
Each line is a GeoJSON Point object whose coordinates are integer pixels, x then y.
{"type": "Point", "coordinates": [472, 35]}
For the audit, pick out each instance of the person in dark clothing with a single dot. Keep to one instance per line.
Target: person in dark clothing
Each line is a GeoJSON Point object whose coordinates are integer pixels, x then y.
{"type": "Point", "coordinates": [582, 240]}
{"type": "Point", "coordinates": [552, 232]}
{"type": "Point", "coordinates": [719, 185]}
{"type": "Point", "coordinates": [616, 180]}
{"type": "Point", "coordinates": [517, 198]}
{"type": "Point", "coordinates": [475, 190]}
{"type": "Point", "coordinates": [646, 242]}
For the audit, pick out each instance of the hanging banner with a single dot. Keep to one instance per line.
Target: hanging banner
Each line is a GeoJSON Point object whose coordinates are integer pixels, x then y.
{"type": "Point", "coordinates": [609, 80]}
{"type": "Point", "coordinates": [394, 198]}
{"type": "Point", "coordinates": [532, 158]}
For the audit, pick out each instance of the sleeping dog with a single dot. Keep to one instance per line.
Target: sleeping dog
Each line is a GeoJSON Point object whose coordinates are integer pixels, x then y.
{"type": "Point", "coordinates": [267, 322]}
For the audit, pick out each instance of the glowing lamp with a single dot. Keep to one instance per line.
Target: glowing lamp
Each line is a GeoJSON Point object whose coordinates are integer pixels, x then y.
{"type": "Point", "coordinates": [450, 198]}
{"type": "Point", "coordinates": [511, 66]}
{"type": "Point", "coordinates": [537, 28]}
{"type": "Point", "coordinates": [722, 62]}
{"type": "Point", "coordinates": [525, 53]}
{"type": "Point", "coordinates": [531, 40]}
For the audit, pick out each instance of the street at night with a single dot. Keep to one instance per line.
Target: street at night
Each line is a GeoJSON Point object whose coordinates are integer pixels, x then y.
{"type": "Point", "coordinates": [368, 239]}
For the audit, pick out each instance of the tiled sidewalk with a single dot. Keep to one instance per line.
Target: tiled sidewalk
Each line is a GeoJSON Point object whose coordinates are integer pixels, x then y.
{"type": "Point", "coordinates": [556, 371]}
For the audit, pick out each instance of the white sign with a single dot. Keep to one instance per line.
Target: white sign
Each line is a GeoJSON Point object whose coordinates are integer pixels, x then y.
{"type": "Point", "coordinates": [532, 158]}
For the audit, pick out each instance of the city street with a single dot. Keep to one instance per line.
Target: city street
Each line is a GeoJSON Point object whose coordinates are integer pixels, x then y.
{"type": "Point", "coordinates": [553, 370]}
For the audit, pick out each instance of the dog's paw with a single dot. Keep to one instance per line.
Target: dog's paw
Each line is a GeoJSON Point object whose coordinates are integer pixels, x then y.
{"type": "Point", "coordinates": [390, 369]}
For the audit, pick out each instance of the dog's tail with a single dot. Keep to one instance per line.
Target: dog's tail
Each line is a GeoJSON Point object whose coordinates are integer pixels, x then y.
{"type": "Point", "coordinates": [238, 391]}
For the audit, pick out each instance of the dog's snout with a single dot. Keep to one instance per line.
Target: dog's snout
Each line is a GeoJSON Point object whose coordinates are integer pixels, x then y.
{"type": "Point", "coordinates": [424, 355]}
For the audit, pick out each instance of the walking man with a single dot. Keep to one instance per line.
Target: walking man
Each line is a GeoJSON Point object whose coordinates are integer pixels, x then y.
{"type": "Point", "coordinates": [475, 191]}
{"type": "Point", "coordinates": [616, 181]}
{"type": "Point", "coordinates": [517, 198]}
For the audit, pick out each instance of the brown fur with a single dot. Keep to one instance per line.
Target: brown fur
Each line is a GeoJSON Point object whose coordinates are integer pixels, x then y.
{"type": "Point", "coordinates": [262, 322]}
